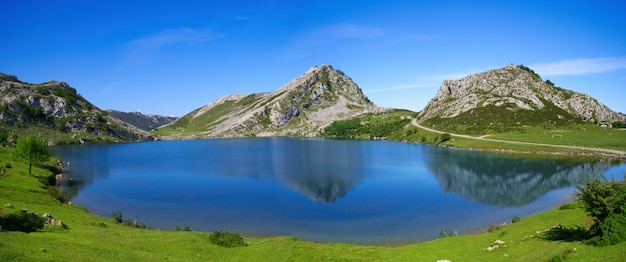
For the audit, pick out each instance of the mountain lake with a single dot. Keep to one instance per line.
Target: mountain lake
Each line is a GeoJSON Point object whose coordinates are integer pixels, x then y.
{"type": "Point", "coordinates": [327, 191]}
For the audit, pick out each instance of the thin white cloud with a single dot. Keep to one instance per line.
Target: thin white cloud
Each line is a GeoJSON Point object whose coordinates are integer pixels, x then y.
{"type": "Point", "coordinates": [245, 18]}
{"type": "Point", "coordinates": [581, 66]}
{"type": "Point", "coordinates": [305, 44]}
{"type": "Point", "coordinates": [174, 36]}
{"type": "Point", "coordinates": [353, 31]}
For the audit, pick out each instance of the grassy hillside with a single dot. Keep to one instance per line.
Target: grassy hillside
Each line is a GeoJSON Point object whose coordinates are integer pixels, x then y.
{"type": "Point", "coordinates": [493, 119]}
{"type": "Point", "coordinates": [93, 238]}
{"type": "Point", "coordinates": [396, 125]}
{"type": "Point", "coordinates": [56, 111]}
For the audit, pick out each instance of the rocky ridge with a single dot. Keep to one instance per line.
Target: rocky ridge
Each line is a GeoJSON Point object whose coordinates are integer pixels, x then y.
{"type": "Point", "coordinates": [145, 122]}
{"type": "Point", "coordinates": [302, 107]}
{"type": "Point", "coordinates": [59, 107]}
{"type": "Point", "coordinates": [512, 88]}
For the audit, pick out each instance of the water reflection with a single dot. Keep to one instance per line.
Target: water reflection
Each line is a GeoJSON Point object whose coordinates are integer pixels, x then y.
{"type": "Point", "coordinates": [502, 180]}
{"type": "Point", "coordinates": [84, 164]}
{"type": "Point", "coordinates": [319, 190]}
{"type": "Point", "coordinates": [323, 170]}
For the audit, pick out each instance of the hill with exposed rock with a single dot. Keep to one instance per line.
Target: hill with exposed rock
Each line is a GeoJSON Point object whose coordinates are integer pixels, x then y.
{"type": "Point", "coordinates": [57, 112]}
{"type": "Point", "coordinates": [508, 98]}
{"type": "Point", "coordinates": [302, 107]}
{"type": "Point", "coordinates": [143, 121]}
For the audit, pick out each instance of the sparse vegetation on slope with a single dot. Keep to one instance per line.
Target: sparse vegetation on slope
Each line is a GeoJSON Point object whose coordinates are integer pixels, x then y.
{"type": "Point", "coordinates": [302, 107]}
{"type": "Point", "coordinates": [56, 111]}
{"type": "Point", "coordinates": [493, 119]}
{"type": "Point", "coordinates": [144, 122]}
{"type": "Point", "coordinates": [512, 92]}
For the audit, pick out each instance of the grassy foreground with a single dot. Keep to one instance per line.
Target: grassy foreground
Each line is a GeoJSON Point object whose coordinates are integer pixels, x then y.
{"type": "Point", "coordinates": [94, 238]}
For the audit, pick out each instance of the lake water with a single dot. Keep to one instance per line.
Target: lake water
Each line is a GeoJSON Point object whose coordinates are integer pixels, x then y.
{"type": "Point", "coordinates": [361, 192]}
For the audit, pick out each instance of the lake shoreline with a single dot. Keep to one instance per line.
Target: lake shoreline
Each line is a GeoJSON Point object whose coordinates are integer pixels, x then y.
{"type": "Point", "coordinates": [154, 220]}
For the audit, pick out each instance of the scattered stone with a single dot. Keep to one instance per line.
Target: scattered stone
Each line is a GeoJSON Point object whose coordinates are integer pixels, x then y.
{"type": "Point", "coordinates": [444, 260]}
{"type": "Point", "coordinates": [496, 244]}
{"type": "Point", "coordinates": [491, 248]}
{"type": "Point", "coordinates": [53, 222]}
{"type": "Point", "coordinates": [556, 226]}
{"type": "Point", "coordinates": [8, 205]}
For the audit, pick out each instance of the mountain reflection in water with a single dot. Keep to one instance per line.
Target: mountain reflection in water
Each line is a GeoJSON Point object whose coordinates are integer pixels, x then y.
{"type": "Point", "coordinates": [502, 180]}
{"type": "Point", "coordinates": [362, 192]}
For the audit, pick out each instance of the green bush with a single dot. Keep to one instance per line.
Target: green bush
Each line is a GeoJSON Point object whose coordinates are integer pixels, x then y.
{"type": "Point", "coordinates": [515, 219]}
{"type": "Point", "coordinates": [448, 233]}
{"type": "Point", "coordinates": [226, 239]}
{"type": "Point", "coordinates": [184, 228]}
{"type": "Point", "coordinates": [612, 230]}
{"type": "Point", "coordinates": [23, 221]}
{"type": "Point", "coordinates": [568, 206]}
{"type": "Point", "coordinates": [117, 215]}
{"type": "Point", "coordinates": [605, 201]}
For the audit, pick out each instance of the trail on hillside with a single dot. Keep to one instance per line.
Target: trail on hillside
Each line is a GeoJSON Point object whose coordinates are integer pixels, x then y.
{"type": "Point", "coordinates": [483, 138]}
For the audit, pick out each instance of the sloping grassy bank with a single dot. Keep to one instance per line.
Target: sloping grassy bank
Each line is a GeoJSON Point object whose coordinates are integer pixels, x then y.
{"type": "Point", "coordinates": [94, 238]}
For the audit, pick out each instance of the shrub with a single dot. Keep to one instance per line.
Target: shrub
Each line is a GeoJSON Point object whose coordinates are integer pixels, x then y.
{"type": "Point", "coordinates": [605, 201]}
{"type": "Point", "coordinates": [568, 206]}
{"type": "Point", "coordinates": [184, 228]}
{"type": "Point", "coordinates": [226, 239]}
{"type": "Point", "coordinates": [515, 219]}
{"type": "Point", "coordinates": [23, 221]}
{"type": "Point", "coordinates": [495, 227]}
{"type": "Point", "coordinates": [117, 215]}
{"type": "Point", "coordinates": [448, 233]}
{"type": "Point", "coordinates": [133, 223]}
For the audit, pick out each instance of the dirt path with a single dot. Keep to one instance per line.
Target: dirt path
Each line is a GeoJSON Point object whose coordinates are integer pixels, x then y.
{"type": "Point", "coordinates": [483, 138]}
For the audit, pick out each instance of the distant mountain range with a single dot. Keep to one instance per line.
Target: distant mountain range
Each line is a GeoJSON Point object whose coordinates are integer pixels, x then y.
{"type": "Point", "coordinates": [145, 122]}
{"type": "Point", "coordinates": [497, 100]}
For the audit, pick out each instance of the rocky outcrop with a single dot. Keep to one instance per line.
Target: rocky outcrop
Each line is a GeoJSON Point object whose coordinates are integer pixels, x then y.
{"type": "Point", "coordinates": [59, 107]}
{"type": "Point", "coordinates": [513, 88]}
{"type": "Point", "coordinates": [301, 107]}
{"type": "Point", "coordinates": [142, 121]}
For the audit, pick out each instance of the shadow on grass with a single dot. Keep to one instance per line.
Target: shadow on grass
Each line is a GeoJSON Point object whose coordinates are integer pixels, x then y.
{"type": "Point", "coordinates": [563, 233]}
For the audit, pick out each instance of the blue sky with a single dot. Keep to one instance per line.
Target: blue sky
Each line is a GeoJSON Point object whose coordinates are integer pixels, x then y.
{"type": "Point", "coordinates": [171, 57]}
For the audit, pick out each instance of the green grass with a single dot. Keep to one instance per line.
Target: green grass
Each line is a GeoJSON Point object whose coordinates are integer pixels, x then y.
{"type": "Point", "coordinates": [587, 135]}
{"type": "Point", "coordinates": [493, 119]}
{"type": "Point", "coordinates": [95, 238]}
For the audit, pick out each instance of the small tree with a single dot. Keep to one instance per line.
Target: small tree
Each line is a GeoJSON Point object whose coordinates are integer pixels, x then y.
{"type": "Point", "coordinates": [33, 149]}
{"type": "Point", "coordinates": [605, 201]}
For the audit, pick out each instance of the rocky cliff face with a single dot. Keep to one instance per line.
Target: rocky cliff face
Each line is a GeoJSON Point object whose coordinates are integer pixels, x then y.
{"type": "Point", "coordinates": [143, 121]}
{"type": "Point", "coordinates": [301, 107]}
{"type": "Point", "coordinates": [512, 88]}
{"type": "Point", "coordinates": [59, 107]}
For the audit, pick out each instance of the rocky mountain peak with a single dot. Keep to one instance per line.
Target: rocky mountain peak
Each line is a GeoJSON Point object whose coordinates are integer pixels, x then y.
{"type": "Point", "coordinates": [303, 106]}
{"type": "Point", "coordinates": [511, 88]}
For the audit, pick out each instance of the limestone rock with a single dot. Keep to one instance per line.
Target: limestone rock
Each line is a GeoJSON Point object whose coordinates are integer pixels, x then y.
{"type": "Point", "coordinates": [59, 107]}
{"type": "Point", "coordinates": [303, 107]}
{"type": "Point", "coordinates": [512, 87]}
